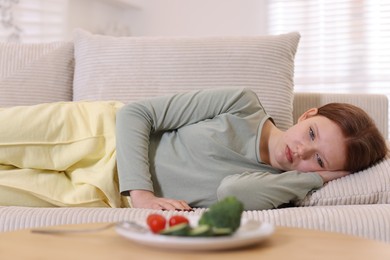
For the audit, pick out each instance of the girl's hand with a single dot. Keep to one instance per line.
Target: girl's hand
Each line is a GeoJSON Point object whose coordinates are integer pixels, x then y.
{"type": "Point", "coordinates": [332, 175]}
{"type": "Point", "coordinates": [146, 199]}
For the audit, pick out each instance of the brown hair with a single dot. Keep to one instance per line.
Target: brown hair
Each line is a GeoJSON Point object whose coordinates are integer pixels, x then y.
{"type": "Point", "coordinates": [365, 145]}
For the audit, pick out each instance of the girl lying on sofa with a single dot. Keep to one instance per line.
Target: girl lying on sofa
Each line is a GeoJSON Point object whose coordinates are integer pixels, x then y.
{"type": "Point", "coordinates": [178, 152]}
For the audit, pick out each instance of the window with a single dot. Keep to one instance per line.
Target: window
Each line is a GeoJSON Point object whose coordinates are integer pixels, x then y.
{"type": "Point", "coordinates": [344, 47]}
{"type": "Point", "coordinates": [33, 20]}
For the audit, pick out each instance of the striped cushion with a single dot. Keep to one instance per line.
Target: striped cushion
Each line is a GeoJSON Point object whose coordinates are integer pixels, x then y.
{"type": "Point", "coordinates": [370, 186]}
{"type": "Point", "coordinates": [368, 221]}
{"type": "Point", "coordinates": [35, 73]}
{"type": "Point", "coordinates": [132, 68]}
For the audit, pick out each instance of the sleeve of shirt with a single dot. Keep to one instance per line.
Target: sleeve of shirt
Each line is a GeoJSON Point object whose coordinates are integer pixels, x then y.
{"type": "Point", "coordinates": [137, 121]}
{"type": "Point", "coordinates": [263, 190]}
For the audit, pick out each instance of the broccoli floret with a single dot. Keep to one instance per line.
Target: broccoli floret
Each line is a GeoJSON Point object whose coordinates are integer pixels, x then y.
{"type": "Point", "coordinates": [224, 214]}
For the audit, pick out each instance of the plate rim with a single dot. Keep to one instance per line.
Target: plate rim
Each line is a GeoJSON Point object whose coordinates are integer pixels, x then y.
{"type": "Point", "coordinates": [239, 239]}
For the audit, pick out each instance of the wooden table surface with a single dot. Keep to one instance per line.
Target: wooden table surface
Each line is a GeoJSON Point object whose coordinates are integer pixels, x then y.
{"type": "Point", "coordinates": [285, 243]}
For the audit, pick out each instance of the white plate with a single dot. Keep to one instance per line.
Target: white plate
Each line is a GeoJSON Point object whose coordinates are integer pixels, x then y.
{"type": "Point", "coordinates": [250, 233]}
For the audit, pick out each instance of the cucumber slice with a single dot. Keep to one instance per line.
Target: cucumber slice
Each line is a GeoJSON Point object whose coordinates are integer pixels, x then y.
{"type": "Point", "coordinates": [201, 231]}
{"type": "Point", "coordinates": [182, 229]}
{"type": "Point", "coordinates": [222, 231]}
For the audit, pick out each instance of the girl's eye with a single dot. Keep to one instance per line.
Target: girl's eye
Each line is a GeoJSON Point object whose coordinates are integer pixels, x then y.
{"type": "Point", "coordinates": [319, 161]}
{"type": "Point", "coordinates": [312, 137]}
{"type": "Point", "coordinates": [311, 134]}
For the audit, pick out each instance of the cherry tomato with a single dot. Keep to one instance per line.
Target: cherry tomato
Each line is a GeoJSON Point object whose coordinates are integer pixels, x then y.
{"type": "Point", "coordinates": [156, 222]}
{"type": "Point", "coordinates": [174, 220]}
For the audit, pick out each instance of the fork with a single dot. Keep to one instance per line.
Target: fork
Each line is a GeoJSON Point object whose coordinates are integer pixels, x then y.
{"type": "Point", "coordinates": [125, 224]}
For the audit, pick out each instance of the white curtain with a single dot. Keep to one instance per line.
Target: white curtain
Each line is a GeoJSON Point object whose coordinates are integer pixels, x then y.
{"type": "Point", "coordinates": [345, 44]}
{"type": "Point", "coordinates": [31, 21]}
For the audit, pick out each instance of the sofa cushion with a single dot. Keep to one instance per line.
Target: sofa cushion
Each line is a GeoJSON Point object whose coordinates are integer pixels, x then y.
{"type": "Point", "coordinates": [132, 68]}
{"type": "Point", "coordinates": [370, 186]}
{"type": "Point", "coordinates": [35, 73]}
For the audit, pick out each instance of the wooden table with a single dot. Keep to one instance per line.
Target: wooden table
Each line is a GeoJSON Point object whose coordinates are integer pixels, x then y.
{"type": "Point", "coordinates": [285, 243]}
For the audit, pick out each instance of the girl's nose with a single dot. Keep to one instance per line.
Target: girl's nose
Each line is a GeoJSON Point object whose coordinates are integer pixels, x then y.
{"type": "Point", "coordinates": [305, 151]}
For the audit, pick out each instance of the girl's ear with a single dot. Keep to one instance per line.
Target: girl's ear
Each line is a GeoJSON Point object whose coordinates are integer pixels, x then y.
{"type": "Point", "coordinates": [309, 113]}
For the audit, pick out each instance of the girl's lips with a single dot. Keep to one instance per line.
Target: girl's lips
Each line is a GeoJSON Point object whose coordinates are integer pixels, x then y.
{"type": "Point", "coordinates": [288, 154]}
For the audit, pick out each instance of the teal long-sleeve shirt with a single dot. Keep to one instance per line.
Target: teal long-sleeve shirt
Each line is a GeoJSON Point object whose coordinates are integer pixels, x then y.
{"type": "Point", "coordinates": [200, 147]}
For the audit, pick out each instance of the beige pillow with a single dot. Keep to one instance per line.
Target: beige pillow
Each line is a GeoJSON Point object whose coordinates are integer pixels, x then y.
{"type": "Point", "coordinates": [132, 68]}
{"type": "Point", "coordinates": [370, 186]}
{"type": "Point", "coordinates": [35, 73]}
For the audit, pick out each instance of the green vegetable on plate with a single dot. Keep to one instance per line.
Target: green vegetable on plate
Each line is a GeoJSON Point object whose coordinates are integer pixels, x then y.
{"type": "Point", "coordinates": [221, 219]}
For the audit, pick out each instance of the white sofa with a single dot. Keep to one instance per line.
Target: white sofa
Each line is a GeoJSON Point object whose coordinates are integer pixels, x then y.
{"type": "Point", "coordinates": [94, 67]}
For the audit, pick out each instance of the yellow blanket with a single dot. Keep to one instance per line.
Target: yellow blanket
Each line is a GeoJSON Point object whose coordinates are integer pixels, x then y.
{"type": "Point", "coordinates": [59, 154]}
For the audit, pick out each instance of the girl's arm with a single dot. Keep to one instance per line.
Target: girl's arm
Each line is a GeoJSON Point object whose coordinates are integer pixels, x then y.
{"type": "Point", "coordinates": [137, 121]}
{"type": "Point", "coordinates": [263, 190]}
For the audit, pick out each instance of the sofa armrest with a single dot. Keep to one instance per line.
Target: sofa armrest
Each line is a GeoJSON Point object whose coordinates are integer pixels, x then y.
{"type": "Point", "coordinates": [376, 105]}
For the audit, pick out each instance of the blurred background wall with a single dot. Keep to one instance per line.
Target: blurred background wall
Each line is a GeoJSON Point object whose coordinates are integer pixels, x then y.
{"type": "Point", "coordinates": [168, 17]}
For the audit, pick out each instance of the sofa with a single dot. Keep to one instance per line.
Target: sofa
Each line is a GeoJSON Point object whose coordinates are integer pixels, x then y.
{"type": "Point", "coordinates": [127, 69]}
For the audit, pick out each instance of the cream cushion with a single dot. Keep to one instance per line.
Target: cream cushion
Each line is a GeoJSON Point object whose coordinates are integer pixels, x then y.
{"type": "Point", "coordinates": [370, 186]}
{"type": "Point", "coordinates": [35, 73]}
{"type": "Point", "coordinates": [133, 68]}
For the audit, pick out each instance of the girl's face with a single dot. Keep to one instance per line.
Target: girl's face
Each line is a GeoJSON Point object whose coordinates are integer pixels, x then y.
{"type": "Point", "coordinates": [315, 143]}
